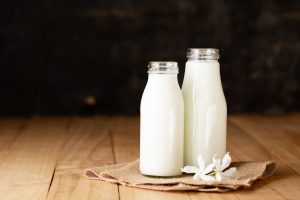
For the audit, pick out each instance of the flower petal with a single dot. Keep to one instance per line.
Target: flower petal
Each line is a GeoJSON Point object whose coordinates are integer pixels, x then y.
{"type": "Point", "coordinates": [225, 161]}
{"type": "Point", "coordinates": [217, 162]}
{"type": "Point", "coordinates": [214, 158]}
{"type": "Point", "coordinates": [209, 168]}
{"type": "Point", "coordinates": [218, 176]}
{"type": "Point", "coordinates": [207, 178]}
{"type": "Point", "coordinates": [197, 176]}
{"type": "Point", "coordinates": [190, 169]}
{"type": "Point", "coordinates": [230, 173]}
{"type": "Point", "coordinates": [201, 163]}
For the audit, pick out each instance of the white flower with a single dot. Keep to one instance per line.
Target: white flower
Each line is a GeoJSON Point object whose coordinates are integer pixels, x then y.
{"type": "Point", "coordinates": [201, 172]}
{"type": "Point", "coordinates": [220, 166]}
{"type": "Point", "coordinates": [214, 171]}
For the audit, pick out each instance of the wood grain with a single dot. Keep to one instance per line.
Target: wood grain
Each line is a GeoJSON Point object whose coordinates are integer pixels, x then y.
{"type": "Point", "coordinates": [88, 145]}
{"type": "Point", "coordinates": [10, 130]}
{"type": "Point", "coordinates": [44, 158]}
{"type": "Point", "coordinates": [271, 138]}
{"type": "Point", "coordinates": [27, 167]}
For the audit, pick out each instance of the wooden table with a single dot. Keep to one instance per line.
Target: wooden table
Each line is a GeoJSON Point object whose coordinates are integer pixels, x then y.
{"type": "Point", "coordinates": [43, 158]}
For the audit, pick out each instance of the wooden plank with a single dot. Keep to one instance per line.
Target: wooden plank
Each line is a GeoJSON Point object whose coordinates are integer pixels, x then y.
{"type": "Point", "coordinates": [88, 145]}
{"type": "Point", "coordinates": [10, 129]}
{"type": "Point", "coordinates": [126, 147]}
{"type": "Point", "coordinates": [26, 170]}
{"type": "Point", "coordinates": [264, 144]}
{"type": "Point", "coordinates": [271, 133]}
{"type": "Point", "coordinates": [125, 132]}
{"type": "Point", "coordinates": [24, 191]}
{"type": "Point", "coordinates": [291, 127]}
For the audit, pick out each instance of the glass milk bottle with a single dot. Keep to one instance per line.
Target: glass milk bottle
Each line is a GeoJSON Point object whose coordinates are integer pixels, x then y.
{"type": "Point", "coordinates": [205, 107]}
{"type": "Point", "coordinates": [161, 123]}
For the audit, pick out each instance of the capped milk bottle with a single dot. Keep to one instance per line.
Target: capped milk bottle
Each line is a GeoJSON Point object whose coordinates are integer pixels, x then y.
{"type": "Point", "coordinates": [161, 123]}
{"type": "Point", "coordinates": [205, 107]}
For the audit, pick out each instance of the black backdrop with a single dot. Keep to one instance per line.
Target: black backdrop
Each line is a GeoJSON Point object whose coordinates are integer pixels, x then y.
{"type": "Point", "coordinates": [89, 57]}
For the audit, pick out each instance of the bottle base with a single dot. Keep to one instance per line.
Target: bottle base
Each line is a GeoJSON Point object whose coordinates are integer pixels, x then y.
{"type": "Point", "coordinates": [160, 175]}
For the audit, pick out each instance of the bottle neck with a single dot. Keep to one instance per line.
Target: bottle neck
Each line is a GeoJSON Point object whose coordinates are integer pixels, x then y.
{"type": "Point", "coordinates": [162, 78]}
{"type": "Point", "coordinates": [202, 70]}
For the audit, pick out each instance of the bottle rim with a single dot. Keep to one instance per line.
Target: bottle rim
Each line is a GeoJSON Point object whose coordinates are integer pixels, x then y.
{"type": "Point", "coordinates": [203, 54]}
{"type": "Point", "coordinates": [162, 67]}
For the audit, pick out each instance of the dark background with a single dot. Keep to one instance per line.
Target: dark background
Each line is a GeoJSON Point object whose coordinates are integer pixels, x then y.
{"type": "Point", "coordinates": [66, 57]}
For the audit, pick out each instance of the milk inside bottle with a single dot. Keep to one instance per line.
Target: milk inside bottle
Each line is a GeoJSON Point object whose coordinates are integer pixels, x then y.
{"type": "Point", "coordinates": [205, 107]}
{"type": "Point", "coordinates": [161, 122]}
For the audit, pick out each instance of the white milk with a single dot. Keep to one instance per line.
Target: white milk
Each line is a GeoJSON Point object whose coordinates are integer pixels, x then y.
{"type": "Point", "coordinates": [205, 107]}
{"type": "Point", "coordinates": [161, 125]}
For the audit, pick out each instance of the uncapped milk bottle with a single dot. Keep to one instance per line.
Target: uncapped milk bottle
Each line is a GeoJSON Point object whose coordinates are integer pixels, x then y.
{"type": "Point", "coordinates": [161, 122]}
{"type": "Point", "coordinates": [205, 107]}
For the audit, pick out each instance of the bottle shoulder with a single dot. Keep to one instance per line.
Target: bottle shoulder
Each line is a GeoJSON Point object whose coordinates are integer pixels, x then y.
{"type": "Point", "coordinates": [162, 95]}
{"type": "Point", "coordinates": [156, 87]}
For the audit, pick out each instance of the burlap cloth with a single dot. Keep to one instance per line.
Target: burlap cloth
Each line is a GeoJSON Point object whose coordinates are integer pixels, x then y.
{"type": "Point", "coordinates": [128, 174]}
